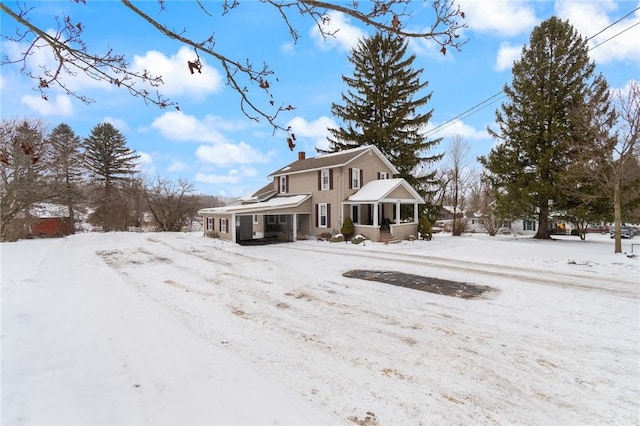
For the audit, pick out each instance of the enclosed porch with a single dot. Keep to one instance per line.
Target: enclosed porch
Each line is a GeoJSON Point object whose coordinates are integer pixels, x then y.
{"type": "Point", "coordinates": [383, 210]}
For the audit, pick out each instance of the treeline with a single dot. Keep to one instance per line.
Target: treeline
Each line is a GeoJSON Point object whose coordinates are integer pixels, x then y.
{"type": "Point", "coordinates": [96, 177]}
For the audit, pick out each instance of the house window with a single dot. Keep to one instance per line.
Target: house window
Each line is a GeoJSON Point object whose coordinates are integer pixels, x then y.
{"type": "Point", "coordinates": [355, 214]}
{"type": "Point", "coordinates": [255, 219]}
{"type": "Point", "coordinates": [282, 218]}
{"type": "Point", "coordinates": [355, 178]}
{"type": "Point", "coordinates": [322, 215]}
{"type": "Point", "coordinates": [223, 225]}
{"type": "Point", "coordinates": [325, 180]}
{"type": "Point", "coordinates": [383, 175]}
{"type": "Point", "coordinates": [209, 224]}
{"type": "Point", "coordinates": [506, 224]}
{"type": "Point", "coordinates": [529, 225]}
{"type": "Point", "coordinates": [283, 184]}
{"type": "Point", "coordinates": [271, 219]}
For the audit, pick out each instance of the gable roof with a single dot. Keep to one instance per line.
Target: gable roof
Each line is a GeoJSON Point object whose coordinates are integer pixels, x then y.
{"type": "Point", "coordinates": [378, 190]}
{"type": "Point", "coordinates": [261, 194]}
{"type": "Point", "coordinates": [334, 159]}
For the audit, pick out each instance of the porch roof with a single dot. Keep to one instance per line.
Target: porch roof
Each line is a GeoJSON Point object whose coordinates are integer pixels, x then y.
{"type": "Point", "coordinates": [378, 190]}
{"type": "Point", "coordinates": [275, 203]}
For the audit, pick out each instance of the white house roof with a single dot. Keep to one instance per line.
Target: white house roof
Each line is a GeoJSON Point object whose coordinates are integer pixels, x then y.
{"type": "Point", "coordinates": [378, 190]}
{"type": "Point", "coordinates": [275, 203]}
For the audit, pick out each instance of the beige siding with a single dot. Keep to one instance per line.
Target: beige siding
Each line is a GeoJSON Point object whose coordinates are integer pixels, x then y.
{"type": "Point", "coordinates": [307, 182]}
{"type": "Point", "coordinates": [216, 226]}
{"type": "Point", "coordinates": [400, 193]}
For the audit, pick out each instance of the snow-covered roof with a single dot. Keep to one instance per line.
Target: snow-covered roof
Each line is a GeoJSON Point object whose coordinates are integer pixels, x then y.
{"type": "Point", "coordinates": [378, 190]}
{"type": "Point", "coordinates": [275, 203]}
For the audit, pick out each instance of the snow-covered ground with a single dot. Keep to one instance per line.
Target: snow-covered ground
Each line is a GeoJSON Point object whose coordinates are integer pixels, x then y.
{"type": "Point", "coordinates": [175, 328]}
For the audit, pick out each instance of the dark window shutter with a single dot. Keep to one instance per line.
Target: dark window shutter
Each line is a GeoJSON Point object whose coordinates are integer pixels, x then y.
{"type": "Point", "coordinates": [361, 178]}
{"type": "Point", "coordinates": [319, 180]}
{"type": "Point", "coordinates": [220, 224]}
{"type": "Point", "coordinates": [379, 175]}
{"type": "Point", "coordinates": [350, 178]}
{"type": "Point", "coordinates": [286, 183]}
{"type": "Point", "coordinates": [317, 215]}
{"type": "Point", "coordinates": [328, 215]}
{"type": "Point", "coordinates": [330, 178]}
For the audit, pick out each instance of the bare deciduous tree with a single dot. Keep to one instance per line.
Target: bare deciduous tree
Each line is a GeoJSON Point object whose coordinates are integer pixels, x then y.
{"type": "Point", "coordinates": [605, 161]}
{"type": "Point", "coordinates": [73, 56]}
{"type": "Point", "coordinates": [458, 172]}
{"type": "Point", "coordinates": [172, 205]}
{"type": "Point", "coordinates": [24, 168]}
{"type": "Point", "coordinates": [626, 153]}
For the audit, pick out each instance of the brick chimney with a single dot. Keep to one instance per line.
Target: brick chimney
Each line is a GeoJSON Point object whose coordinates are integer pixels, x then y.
{"type": "Point", "coordinates": [301, 155]}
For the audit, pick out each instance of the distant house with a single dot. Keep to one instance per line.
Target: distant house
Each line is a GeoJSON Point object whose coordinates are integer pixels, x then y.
{"type": "Point", "coordinates": [474, 222]}
{"type": "Point", "coordinates": [312, 197]}
{"type": "Point", "coordinates": [50, 220]}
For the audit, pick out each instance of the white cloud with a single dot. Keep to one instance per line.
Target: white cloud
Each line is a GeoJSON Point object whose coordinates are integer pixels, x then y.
{"type": "Point", "coordinates": [175, 73]}
{"type": "Point", "coordinates": [315, 130]}
{"type": "Point", "coordinates": [345, 36]}
{"type": "Point", "coordinates": [507, 55]}
{"type": "Point", "coordinates": [458, 128]}
{"type": "Point", "coordinates": [506, 17]}
{"type": "Point", "coordinates": [145, 164]}
{"type": "Point", "coordinates": [177, 166]}
{"type": "Point", "coordinates": [233, 176]}
{"type": "Point", "coordinates": [118, 123]}
{"type": "Point", "coordinates": [226, 154]}
{"type": "Point", "coordinates": [590, 17]}
{"type": "Point", "coordinates": [176, 125]}
{"type": "Point", "coordinates": [58, 106]}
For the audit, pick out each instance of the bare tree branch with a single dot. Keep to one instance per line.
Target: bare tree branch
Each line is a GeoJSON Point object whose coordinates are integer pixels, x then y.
{"type": "Point", "coordinates": [73, 56]}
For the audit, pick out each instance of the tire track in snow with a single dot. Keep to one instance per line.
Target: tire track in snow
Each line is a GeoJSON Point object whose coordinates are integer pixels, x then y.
{"type": "Point", "coordinates": [534, 276]}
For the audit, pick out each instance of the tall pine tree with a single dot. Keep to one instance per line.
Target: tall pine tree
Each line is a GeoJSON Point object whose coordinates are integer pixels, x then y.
{"type": "Point", "coordinates": [112, 166]}
{"type": "Point", "coordinates": [537, 131]}
{"type": "Point", "coordinates": [66, 166]}
{"type": "Point", "coordinates": [381, 108]}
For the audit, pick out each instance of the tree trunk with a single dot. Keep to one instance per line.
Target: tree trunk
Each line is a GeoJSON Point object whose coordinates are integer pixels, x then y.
{"type": "Point", "coordinates": [617, 216]}
{"type": "Point", "coordinates": [543, 222]}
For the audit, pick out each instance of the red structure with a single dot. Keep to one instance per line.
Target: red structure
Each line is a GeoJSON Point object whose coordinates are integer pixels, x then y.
{"type": "Point", "coordinates": [52, 227]}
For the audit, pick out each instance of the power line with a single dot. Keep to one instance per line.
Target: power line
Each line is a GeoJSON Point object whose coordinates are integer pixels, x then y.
{"type": "Point", "coordinates": [478, 106]}
{"type": "Point", "coordinates": [616, 35]}
{"type": "Point", "coordinates": [612, 24]}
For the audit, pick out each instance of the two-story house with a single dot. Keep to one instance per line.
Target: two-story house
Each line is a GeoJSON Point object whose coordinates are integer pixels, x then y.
{"type": "Point", "coordinates": [313, 196]}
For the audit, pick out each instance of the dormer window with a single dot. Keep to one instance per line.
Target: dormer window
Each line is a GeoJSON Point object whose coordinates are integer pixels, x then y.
{"type": "Point", "coordinates": [283, 184]}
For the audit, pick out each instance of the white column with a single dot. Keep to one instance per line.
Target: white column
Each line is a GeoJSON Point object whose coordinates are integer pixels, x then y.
{"type": "Point", "coordinates": [295, 226]}
{"type": "Point", "coordinates": [415, 212]}
{"type": "Point", "coordinates": [398, 212]}
{"type": "Point", "coordinates": [232, 225]}
{"type": "Point", "coordinates": [375, 214]}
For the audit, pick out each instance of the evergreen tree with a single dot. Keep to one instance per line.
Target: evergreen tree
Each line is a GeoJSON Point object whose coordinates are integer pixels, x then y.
{"type": "Point", "coordinates": [112, 167]}
{"type": "Point", "coordinates": [67, 166]}
{"type": "Point", "coordinates": [381, 108]}
{"type": "Point", "coordinates": [538, 133]}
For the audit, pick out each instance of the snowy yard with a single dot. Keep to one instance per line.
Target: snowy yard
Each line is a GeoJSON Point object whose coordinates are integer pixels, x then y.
{"type": "Point", "coordinates": [150, 329]}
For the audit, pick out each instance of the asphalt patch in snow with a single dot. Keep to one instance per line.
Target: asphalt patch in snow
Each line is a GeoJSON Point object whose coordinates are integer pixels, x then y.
{"type": "Point", "coordinates": [419, 282]}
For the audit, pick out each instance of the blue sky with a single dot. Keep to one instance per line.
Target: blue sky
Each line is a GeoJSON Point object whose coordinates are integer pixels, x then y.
{"type": "Point", "coordinates": [211, 143]}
